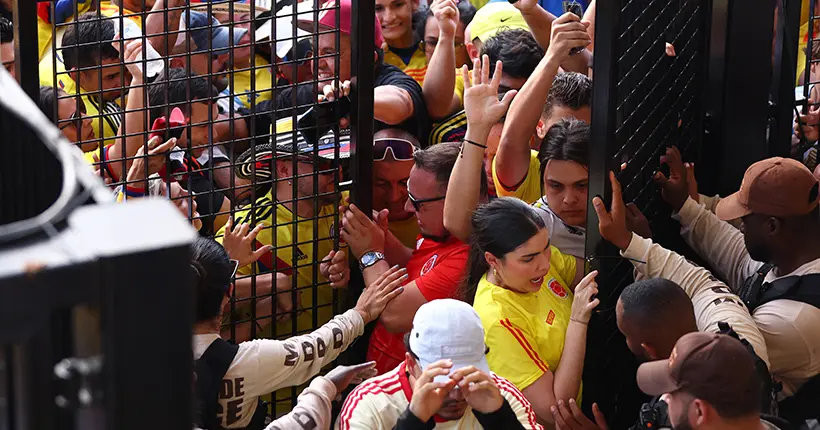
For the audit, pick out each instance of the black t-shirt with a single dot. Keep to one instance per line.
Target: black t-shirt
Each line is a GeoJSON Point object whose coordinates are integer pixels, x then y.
{"type": "Point", "coordinates": [286, 103]}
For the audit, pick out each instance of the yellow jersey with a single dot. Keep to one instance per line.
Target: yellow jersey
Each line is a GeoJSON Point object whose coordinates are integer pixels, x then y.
{"type": "Point", "coordinates": [529, 190]}
{"type": "Point", "coordinates": [312, 246]}
{"type": "Point", "coordinates": [242, 92]}
{"type": "Point", "coordinates": [407, 231]}
{"type": "Point", "coordinates": [525, 332]}
{"type": "Point", "coordinates": [459, 88]}
{"type": "Point", "coordinates": [416, 68]}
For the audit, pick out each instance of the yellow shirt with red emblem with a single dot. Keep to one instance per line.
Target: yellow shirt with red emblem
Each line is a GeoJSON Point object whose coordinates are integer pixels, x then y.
{"type": "Point", "coordinates": [416, 68]}
{"type": "Point", "coordinates": [312, 246]}
{"type": "Point", "coordinates": [525, 332]}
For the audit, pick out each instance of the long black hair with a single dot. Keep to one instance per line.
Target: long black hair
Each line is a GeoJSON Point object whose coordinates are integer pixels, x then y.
{"type": "Point", "coordinates": [566, 140]}
{"type": "Point", "coordinates": [499, 227]}
{"type": "Point", "coordinates": [212, 272]}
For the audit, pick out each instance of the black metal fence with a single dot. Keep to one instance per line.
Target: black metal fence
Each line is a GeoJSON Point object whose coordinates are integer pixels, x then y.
{"type": "Point", "coordinates": [254, 143]}
{"type": "Point", "coordinates": [648, 94]}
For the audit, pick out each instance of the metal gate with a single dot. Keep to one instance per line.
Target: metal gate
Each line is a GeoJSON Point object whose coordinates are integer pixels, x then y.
{"type": "Point", "coordinates": [230, 160]}
{"type": "Point", "coordinates": [643, 101]}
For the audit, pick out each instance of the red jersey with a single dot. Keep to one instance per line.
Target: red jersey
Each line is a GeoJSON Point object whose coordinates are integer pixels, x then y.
{"type": "Point", "coordinates": [437, 268]}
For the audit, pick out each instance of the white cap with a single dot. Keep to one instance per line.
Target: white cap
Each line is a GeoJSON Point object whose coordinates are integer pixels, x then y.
{"type": "Point", "coordinates": [285, 20]}
{"type": "Point", "coordinates": [449, 329]}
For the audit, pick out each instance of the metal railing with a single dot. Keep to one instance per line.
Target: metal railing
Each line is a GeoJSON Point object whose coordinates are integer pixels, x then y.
{"type": "Point", "coordinates": [243, 105]}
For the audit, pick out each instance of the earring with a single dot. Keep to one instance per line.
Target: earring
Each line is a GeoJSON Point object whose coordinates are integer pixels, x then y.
{"type": "Point", "coordinates": [495, 273]}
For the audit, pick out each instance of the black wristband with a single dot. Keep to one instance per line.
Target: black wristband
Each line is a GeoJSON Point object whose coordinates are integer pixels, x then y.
{"type": "Point", "coordinates": [475, 143]}
{"type": "Point", "coordinates": [409, 421]}
{"type": "Point", "coordinates": [504, 418]}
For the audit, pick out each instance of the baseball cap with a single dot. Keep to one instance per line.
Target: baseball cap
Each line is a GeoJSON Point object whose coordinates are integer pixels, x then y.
{"type": "Point", "coordinates": [284, 26]}
{"type": "Point", "coordinates": [495, 17]}
{"type": "Point", "coordinates": [327, 19]}
{"type": "Point", "coordinates": [200, 32]}
{"type": "Point", "coordinates": [713, 367]}
{"type": "Point", "coordinates": [779, 187]}
{"type": "Point", "coordinates": [448, 329]}
{"type": "Point", "coordinates": [256, 162]}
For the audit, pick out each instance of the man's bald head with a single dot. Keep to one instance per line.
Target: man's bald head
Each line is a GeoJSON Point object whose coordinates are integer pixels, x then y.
{"type": "Point", "coordinates": [653, 314]}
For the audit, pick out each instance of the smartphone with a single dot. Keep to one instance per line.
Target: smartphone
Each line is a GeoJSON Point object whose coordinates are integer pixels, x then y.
{"type": "Point", "coordinates": [574, 7]}
{"type": "Point", "coordinates": [321, 118]}
{"type": "Point", "coordinates": [169, 128]}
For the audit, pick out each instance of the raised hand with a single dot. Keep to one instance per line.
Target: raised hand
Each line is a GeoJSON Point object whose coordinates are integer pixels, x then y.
{"type": "Point", "coordinates": [568, 32]}
{"type": "Point", "coordinates": [239, 243]}
{"type": "Point", "coordinates": [481, 104]}
{"type": "Point", "coordinates": [428, 396]}
{"type": "Point", "coordinates": [330, 92]}
{"type": "Point", "coordinates": [583, 304]}
{"type": "Point", "coordinates": [446, 14]}
{"type": "Point", "coordinates": [342, 376]}
{"type": "Point", "coordinates": [692, 181]}
{"type": "Point", "coordinates": [525, 6]}
{"type": "Point", "coordinates": [568, 416]}
{"type": "Point", "coordinates": [375, 298]}
{"type": "Point", "coordinates": [360, 232]}
{"type": "Point", "coordinates": [675, 188]}
{"type": "Point", "coordinates": [612, 224]}
{"type": "Point", "coordinates": [480, 391]}
{"type": "Point", "coordinates": [155, 159]}
{"type": "Point", "coordinates": [133, 50]}
{"type": "Point", "coordinates": [636, 222]}
{"type": "Point", "coordinates": [335, 269]}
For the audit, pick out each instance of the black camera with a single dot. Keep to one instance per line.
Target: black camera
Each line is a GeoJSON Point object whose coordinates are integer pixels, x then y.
{"type": "Point", "coordinates": [654, 416]}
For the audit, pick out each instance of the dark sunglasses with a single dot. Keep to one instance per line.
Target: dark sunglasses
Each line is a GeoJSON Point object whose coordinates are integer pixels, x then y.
{"type": "Point", "coordinates": [76, 118]}
{"type": "Point", "coordinates": [321, 164]}
{"type": "Point", "coordinates": [400, 149]}
{"type": "Point", "coordinates": [418, 202]}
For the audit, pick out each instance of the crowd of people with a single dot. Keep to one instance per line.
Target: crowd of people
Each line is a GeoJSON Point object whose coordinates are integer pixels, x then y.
{"type": "Point", "coordinates": [472, 261]}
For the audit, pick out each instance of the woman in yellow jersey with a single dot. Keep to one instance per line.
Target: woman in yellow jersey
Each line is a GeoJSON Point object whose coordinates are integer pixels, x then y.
{"type": "Point", "coordinates": [535, 322]}
{"type": "Point", "coordinates": [403, 49]}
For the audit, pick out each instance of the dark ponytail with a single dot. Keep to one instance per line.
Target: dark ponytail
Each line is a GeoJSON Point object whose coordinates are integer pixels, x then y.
{"type": "Point", "coordinates": [211, 269]}
{"type": "Point", "coordinates": [499, 227]}
{"type": "Point", "coordinates": [566, 140]}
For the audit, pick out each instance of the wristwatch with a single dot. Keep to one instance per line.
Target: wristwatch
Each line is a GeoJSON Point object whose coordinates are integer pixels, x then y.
{"type": "Point", "coordinates": [369, 259]}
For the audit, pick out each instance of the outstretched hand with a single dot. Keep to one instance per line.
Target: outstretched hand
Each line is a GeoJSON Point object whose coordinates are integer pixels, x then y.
{"type": "Point", "coordinates": [675, 188]}
{"type": "Point", "coordinates": [481, 104]}
{"type": "Point", "coordinates": [612, 223]}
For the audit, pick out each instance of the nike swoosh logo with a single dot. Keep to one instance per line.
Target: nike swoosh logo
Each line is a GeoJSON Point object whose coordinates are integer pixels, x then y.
{"type": "Point", "coordinates": [504, 19]}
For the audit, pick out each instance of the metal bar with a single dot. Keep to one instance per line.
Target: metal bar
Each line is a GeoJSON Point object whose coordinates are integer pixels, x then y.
{"type": "Point", "coordinates": [746, 95]}
{"type": "Point", "coordinates": [25, 47]}
{"type": "Point", "coordinates": [362, 116]}
{"type": "Point", "coordinates": [602, 139]}
{"type": "Point", "coordinates": [783, 78]}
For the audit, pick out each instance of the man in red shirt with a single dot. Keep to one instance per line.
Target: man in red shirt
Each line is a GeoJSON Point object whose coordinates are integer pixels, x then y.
{"type": "Point", "coordinates": [433, 270]}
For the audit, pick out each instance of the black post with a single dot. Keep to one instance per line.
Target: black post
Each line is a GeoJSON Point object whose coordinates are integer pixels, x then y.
{"type": "Point", "coordinates": [26, 51]}
{"type": "Point", "coordinates": [783, 77]}
{"type": "Point", "coordinates": [604, 103]}
{"type": "Point", "coordinates": [747, 80]}
{"type": "Point", "coordinates": [364, 16]}
{"type": "Point", "coordinates": [598, 386]}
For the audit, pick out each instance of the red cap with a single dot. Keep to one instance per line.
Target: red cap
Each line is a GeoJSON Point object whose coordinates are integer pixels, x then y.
{"type": "Point", "coordinates": [779, 187]}
{"type": "Point", "coordinates": [327, 19]}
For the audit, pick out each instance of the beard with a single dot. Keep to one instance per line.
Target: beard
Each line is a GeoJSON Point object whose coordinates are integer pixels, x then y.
{"type": "Point", "coordinates": [757, 251]}
{"type": "Point", "coordinates": [681, 421]}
